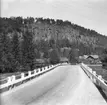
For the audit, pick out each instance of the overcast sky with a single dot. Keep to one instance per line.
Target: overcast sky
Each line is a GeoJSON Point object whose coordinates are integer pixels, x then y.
{"type": "Point", "coordinates": [88, 13]}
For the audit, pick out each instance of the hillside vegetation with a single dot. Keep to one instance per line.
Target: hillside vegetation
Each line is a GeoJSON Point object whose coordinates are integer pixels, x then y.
{"type": "Point", "coordinates": [24, 40]}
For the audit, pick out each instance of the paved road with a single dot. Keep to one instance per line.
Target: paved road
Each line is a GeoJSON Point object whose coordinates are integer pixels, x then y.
{"type": "Point", "coordinates": [66, 85]}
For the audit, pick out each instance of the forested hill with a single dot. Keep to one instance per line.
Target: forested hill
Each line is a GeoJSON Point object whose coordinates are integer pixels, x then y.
{"type": "Point", "coordinates": [63, 31]}
{"type": "Point", "coordinates": [22, 40]}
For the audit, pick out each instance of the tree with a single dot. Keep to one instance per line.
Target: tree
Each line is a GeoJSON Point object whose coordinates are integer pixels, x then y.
{"type": "Point", "coordinates": [73, 56]}
{"type": "Point", "coordinates": [6, 57]}
{"type": "Point", "coordinates": [15, 48]}
{"type": "Point", "coordinates": [104, 58]}
{"type": "Point", "coordinates": [54, 56]}
{"type": "Point", "coordinates": [59, 22]}
{"type": "Point", "coordinates": [52, 43]}
{"type": "Point", "coordinates": [28, 50]}
{"type": "Point", "coordinates": [16, 51]}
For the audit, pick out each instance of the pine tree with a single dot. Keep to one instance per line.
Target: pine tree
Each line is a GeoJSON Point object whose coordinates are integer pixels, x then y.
{"type": "Point", "coordinates": [28, 50]}
{"type": "Point", "coordinates": [16, 51]}
{"type": "Point", "coordinates": [15, 48]}
{"type": "Point", "coordinates": [5, 53]}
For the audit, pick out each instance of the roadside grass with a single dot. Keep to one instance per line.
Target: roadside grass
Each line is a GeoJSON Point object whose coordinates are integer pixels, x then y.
{"type": "Point", "coordinates": [100, 71]}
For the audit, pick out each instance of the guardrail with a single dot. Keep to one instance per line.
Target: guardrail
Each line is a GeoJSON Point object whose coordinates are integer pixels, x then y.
{"type": "Point", "coordinates": [96, 79]}
{"type": "Point", "coordinates": [14, 80]}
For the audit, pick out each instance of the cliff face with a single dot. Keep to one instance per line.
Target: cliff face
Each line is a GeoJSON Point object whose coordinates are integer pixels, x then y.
{"type": "Point", "coordinates": [47, 31]}
{"type": "Point", "coordinates": [74, 34]}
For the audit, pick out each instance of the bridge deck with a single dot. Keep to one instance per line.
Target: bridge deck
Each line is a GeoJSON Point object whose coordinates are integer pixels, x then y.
{"type": "Point", "coordinates": [66, 85]}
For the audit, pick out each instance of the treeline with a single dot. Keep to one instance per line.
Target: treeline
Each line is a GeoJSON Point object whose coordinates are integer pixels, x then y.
{"type": "Point", "coordinates": [16, 54]}
{"type": "Point", "coordinates": [25, 40]}
{"type": "Point", "coordinates": [19, 53]}
{"type": "Point", "coordinates": [103, 58]}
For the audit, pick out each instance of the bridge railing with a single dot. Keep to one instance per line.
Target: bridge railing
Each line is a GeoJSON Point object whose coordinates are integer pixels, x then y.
{"type": "Point", "coordinates": [11, 81]}
{"type": "Point", "coordinates": [96, 79]}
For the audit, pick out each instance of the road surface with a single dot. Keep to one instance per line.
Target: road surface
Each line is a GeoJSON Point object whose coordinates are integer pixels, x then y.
{"type": "Point", "coordinates": [65, 85]}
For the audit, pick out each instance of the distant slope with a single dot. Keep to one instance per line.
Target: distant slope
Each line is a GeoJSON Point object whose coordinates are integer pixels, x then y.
{"type": "Point", "coordinates": [65, 30]}
{"type": "Point", "coordinates": [59, 30]}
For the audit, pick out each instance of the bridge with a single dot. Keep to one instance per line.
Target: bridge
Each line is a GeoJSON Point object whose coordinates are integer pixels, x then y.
{"type": "Point", "coordinates": [61, 84]}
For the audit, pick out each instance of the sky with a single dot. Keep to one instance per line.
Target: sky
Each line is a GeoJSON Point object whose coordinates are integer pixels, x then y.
{"type": "Point", "coordinates": [90, 14]}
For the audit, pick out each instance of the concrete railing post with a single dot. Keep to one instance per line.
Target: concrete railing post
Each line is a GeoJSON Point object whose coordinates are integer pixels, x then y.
{"type": "Point", "coordinates": [90, 70]}
{"type": "Point", "coordinates": [94, 79]}
{"type": "Point", "coordinates": [22, 76]}
{"type": "Point", "coordinates": [100, 77]}
{"type": "Point", "coordinates": [94, 73]}
{"type": "Point", "coordinates": [9, 80]}
{"type": "Point", "coordinates": [35, 72]}
{"type": "Point", "coordinates": [13, 78]}
{"type": "Point", "coordinates": [29, 73]}
{"type": "Point", "coordinates": [38, 70]}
